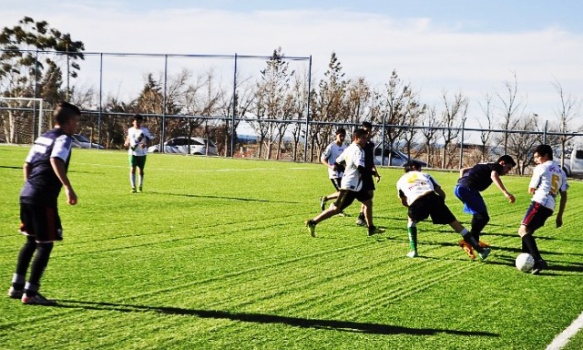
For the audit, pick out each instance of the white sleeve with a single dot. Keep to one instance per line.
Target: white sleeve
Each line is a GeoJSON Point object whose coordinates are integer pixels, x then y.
{"type": "Point", "coordinates": [62, 148]}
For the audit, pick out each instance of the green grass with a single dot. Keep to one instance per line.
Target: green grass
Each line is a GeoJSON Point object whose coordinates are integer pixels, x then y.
{"type": "Point", "coordinates": [214, 255]}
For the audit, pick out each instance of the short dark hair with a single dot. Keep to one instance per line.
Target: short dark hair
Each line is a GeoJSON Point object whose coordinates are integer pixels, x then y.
{"type": "Point", "coordinates": [64, 111]}
{"type": "Point", "coordinates": [544, 150]}
{"type": "Point", "coordinates": [412, 165]}
{"type": "Point", "coordinates": [507, 160]}
{"type": "Point", "coordinates": [367, 125]}
{"type": "Point", "coordinates": [138, 117]}
{"type": "Point", "coordinates": [358, 133]}
{"type": "Point", "coordinates": [341, 131]}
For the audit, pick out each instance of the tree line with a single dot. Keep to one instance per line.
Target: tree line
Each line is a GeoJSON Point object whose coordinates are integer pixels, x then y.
{"type": "Point", "coordinates": [293, 114]}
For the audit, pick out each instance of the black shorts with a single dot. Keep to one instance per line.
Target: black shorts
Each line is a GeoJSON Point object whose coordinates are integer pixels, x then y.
{"type": "Point", "coordinates": [367, 182]}
{"type": "Point", "coordinates": [535, 216]}
{"type": "Point", "coordinates": [346, 197]}
{"type": "Point", "coordinates": [41, 222]}
{"type": "Point", "coordinates": [336, 183]}
{"type": "Point", "coordinates": [431, 205]}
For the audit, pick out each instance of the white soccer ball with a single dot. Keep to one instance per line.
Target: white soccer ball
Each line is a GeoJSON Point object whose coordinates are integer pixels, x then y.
{"type": "Point", "coordinates": [524, 262]}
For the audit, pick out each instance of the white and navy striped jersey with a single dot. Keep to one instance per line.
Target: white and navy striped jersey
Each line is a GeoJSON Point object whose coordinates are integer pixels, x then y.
{"type": "Point", "coordinates": [42, 184]}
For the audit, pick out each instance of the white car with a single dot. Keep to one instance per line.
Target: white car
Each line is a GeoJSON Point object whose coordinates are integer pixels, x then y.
{"type": "Point", "coordinates": [181, 144]}
{"type": "Point", "coordinates": [81, 141]}
{"type": "Point", "coordinates": [398, 158]}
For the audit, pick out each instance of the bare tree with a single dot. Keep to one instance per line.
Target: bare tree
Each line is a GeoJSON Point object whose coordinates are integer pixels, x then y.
{"type": "Point", "coordinates": [486, 123]}
{"type": "Point", "coordinates": [520, 144]}
{"type": "Point", "coordinates": [453, 114]}
{"type": "Point", "coordinates": [430, 131]}
{"type": "Point", "coordinates": [398, 102]}
{"type": "Point", "coordinates": [569, 111]}
{"type": "Point", "coordinates": [510, 106]}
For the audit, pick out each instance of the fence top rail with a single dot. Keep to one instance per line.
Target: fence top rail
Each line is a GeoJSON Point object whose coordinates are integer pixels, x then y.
{"type": "Point", "coordinates": [231, 56]}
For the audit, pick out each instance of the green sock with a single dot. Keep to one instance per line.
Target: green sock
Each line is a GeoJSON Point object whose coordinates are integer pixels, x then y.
{"type": "Point", "coordinates": [412, 231]}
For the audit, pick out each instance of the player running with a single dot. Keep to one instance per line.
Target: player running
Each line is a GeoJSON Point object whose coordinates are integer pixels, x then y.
{"type": "Point", "coordinates": [352, 161]}
{"type": "Point", "coordinates": [333, 151]}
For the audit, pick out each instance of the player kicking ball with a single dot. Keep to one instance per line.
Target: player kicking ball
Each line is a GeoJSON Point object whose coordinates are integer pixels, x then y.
{"type": "Point", "coordinates": [423, 197]}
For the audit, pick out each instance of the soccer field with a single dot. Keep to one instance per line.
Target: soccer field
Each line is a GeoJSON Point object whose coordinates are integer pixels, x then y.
{"type": "Point", "coordinates": [214, 255]}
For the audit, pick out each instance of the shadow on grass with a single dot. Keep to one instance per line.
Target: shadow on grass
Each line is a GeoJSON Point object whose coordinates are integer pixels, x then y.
{"type": "Point", "coordinates": [221, 197]}
{"type": "Point", "coordinates": [344, 326]}
{"type": "Point", "coordinates": [11, 167]}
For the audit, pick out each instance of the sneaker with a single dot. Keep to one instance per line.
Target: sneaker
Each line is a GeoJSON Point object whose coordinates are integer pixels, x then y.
{"type": "Point", "coordinates": [483, 244]}
{"type": "Point", "coordinates": [311, 227]}
{"type": "Point", "coordinates": [133, 190]}
{"type": "Point", "coordinates": [539, 266]}
{"type": "Point", "coordinates": [468, 249]}
{"type": "Point", "coordinates": [37, 300]}
{"type": "Point", "coordinates": [323, 201]}
{"type": "Point", "coordinates": [140, 189]}
{"type": "Point", "coordinates": [360, 222]}
{"type": "Point", "coordinates": [15, 293]}
{"type": "Point", "coordinates": [484, 254]}
{"type": "Point", "coordinates": [412, 254]}
{"type": "Point", "coordinates": [373, 230]}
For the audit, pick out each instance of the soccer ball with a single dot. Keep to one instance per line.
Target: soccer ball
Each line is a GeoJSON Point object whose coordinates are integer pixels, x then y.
{"type": "Point", "coordinates": [524, 262]}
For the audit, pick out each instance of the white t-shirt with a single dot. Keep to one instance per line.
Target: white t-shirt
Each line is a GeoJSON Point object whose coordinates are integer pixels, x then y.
{"type": "Point", "coordinates": [330, 154]}
{"type": "Point", "coordinates": [138, 148]}
{"type": "Point", "coordinates": [548, 179]}
{"type": "Point", "coordinates": [351, 158]}
{"type": "Point", "coordinates": [414, 184]}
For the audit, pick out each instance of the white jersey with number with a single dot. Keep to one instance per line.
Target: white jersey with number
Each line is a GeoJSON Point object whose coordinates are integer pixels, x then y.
{"type": "Point", "coordinates": [139, 147]}
{"type": "Point", "coordinates": [415, 184]}
{"type": "Point", "coordinates": [330, 154]}
{"type": "Point", "coordinates": [548, 179]}
{"type": "Point", "coordinates": [351, 158]}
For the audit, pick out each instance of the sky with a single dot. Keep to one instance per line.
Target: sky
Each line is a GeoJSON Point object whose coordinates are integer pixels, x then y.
{"type": "Point", "coordinates": [473, 47]}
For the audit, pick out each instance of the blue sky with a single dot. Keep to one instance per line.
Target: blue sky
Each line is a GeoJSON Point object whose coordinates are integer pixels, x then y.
{"type": "Point", "coordinates": [452, 46]}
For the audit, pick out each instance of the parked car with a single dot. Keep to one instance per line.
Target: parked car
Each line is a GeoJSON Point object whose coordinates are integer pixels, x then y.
{"type": "Point", "coordinates": [398, 158]}
{"type": "Point", "coordinates": [81, 141]}
{"type": "Point", "coordinates": [198, 146]}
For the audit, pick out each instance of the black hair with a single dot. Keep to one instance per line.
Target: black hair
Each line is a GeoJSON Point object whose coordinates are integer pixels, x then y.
{"type": "Point", "coordinates": [507, 160]}
{"type": "Point", "coordinates": [64, 111]}
{"type": "Point", "coordinates": [341, 131]}
{"type": "Point", "coordinates": [544, 150]}
{"type": "Point", "coordinates": [412, 165]}
{"type": "Point", "coordinates": [358, 133]}
{"type": "Point", "coordinates": [138, 117]}
{"type": "Point", "coordinates": [367, 125]}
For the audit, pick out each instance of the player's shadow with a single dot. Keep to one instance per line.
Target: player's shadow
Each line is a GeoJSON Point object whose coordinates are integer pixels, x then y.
{"type": "Point", "coordinates": [222, 197]}
{"type": "Point", "coordinates": [11, 167]}
{"type": "Point", "coordinates": [343, 326]}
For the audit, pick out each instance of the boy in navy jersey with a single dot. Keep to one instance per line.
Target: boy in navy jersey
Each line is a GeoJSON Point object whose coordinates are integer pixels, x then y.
{"type": "Point", "coordinates": [474, 180]}
{"type": "Point", "coordinates": [45, 173]}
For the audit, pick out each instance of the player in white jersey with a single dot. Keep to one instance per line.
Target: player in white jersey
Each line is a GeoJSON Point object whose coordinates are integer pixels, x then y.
{"type": "Point", "coordinates": [333, 151]}
{"type": "Point", "coordinates": [548, 180]}
{"type": "Point", "coordinates": [424, 197]}
{"type": "Point", "coordinates": [137, 143]}
{"type": "Point", "coordinates": [351, 161]}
